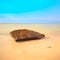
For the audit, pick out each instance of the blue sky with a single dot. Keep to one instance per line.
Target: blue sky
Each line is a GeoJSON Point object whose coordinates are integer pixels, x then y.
{"type": "Point", "coordinates": [30, 11]}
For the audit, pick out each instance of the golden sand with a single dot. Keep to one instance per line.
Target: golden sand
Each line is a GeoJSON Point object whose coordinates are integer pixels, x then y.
{"type": "Point", "coordinates": [44, 49]}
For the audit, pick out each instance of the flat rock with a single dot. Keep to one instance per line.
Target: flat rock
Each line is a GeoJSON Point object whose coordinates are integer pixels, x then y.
{"type": "Point", "coordinates": [26, 35]}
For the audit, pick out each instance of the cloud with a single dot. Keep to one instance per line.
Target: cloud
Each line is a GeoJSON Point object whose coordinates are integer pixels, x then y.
{"type": "Point", "coordinates": [47, 16]}
{"type": "Point", "coordinates": [29, 19]}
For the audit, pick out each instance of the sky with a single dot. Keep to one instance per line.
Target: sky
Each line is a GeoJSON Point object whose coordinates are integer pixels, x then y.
{"type": "Point", "coordinates": [29, 11]}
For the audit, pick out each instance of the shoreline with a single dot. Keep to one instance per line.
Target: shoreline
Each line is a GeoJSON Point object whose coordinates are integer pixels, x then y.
{"type": "Point", "coordinates": [44, 49]}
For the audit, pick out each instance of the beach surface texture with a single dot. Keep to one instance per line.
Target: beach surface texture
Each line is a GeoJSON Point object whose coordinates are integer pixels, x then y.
{"type": "Point", "coordinates": [44, 49]}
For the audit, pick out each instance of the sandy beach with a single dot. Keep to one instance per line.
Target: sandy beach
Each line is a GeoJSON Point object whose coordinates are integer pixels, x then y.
{"type": "Point", "coordinates": [44, 49]}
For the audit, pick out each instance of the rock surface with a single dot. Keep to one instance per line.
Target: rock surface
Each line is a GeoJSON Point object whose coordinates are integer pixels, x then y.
{"type": "Point", "coordinates": [26, 35]}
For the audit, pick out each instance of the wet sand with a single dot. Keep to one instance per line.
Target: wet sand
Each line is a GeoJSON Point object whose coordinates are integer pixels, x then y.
{"type": "Point", "coordinates": [44, 49]}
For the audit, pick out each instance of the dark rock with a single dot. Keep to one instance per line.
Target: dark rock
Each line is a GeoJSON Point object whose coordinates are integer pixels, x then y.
{"type": "Point", "coordinates": [49, 46]}
{"type": "Point", "coordinates": [26, 35]}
